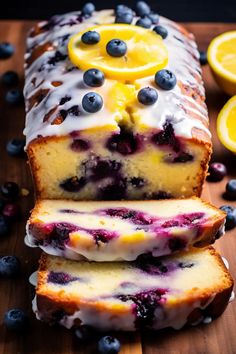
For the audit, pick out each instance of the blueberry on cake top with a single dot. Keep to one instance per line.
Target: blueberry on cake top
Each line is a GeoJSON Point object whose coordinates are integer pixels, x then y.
{"type": "Point", "coordinates": [134, 127]}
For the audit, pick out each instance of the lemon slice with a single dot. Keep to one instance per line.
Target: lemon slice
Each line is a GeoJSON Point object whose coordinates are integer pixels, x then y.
{"type": "Point", "coordinates": [146, 52]}
{"type": "Point", "coordinates": [226, 125]}
{"type": "Point", "coordinates": [221, 56]}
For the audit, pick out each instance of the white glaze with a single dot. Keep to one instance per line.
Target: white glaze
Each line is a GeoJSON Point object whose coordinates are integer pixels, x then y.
{"type": "Point", "coordinates": [170, 103]}
{"type": "Point", "coordinates": [33, 279]}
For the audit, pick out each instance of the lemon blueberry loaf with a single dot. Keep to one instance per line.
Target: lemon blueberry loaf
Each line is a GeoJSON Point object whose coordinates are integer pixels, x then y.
{"type": "Point", "coordinates": [122, 230]}
{"type": "Point", "coordinates": [154, 293]}
{"type": "Point", "coordinates": [115, 110]}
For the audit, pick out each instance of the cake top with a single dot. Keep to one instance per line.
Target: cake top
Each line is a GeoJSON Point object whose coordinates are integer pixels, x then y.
{"type": "Point", "coordinates": [139, 80]}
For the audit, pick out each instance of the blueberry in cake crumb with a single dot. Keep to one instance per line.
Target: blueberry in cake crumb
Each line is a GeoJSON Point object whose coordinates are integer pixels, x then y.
{"type": "Point", "coordinates": [144, 22]}
{"type": "Point", "coordinates": [230, 221]}
{"type": "Point", "coordinates": [80, 145]}
{"type": "Point", "coordinates": [60, 278]}
{"type": "Point", "coordinates": [73, 184]}
{"type": "Point", "coordinates": [14, 97]}
{"type": "Point", "coordinates": [114, 190]}
{"type": "Point", "coordinates": [154, 18]}
{"type": "Point", "coordinates": [116, 48]}
{"type": "Point", "coordinates": [176, 244]}
{"type": "Point", "coordinates": [9, 266]}
{"type": "Point", "coordinates": [147, 96]}
{"type": "Point", "coordinates": [217, 171]}
{"type": "Point", "coordinates": [93, 77]}
{"type": "Point", "coordinates": [6, 50]}
{"type": "Point", "coordinates": [165, 79]}
{"type": "Point", "coordinates": [15, 320]}
{"type": "Point", "coordinates": [161, 30]}
{"type": "Point", "coordinates": [125, 143]}
{"type": "Point", "coordinates": [10, 78]}
{"type": "Point", "coordinates": [11, 211]}
{"type": "Point", "coordinates": [203, 57]}
{"type": "Point", "coordinates": [183, 157]}
{"type": "Point", "coordinates": [137, 182]}
{"type": "Point", "coordinates": [88, 8]}
{"type": "Point", "coordinates": [97, 169]}
{"type": "Point", "coordinates": [231, 189]}
{"type": "Point", "coordinates": [4, 226]}
{"type": "Point", "coordinates": [92, 102]}
{"type": "Point", "coordinates": [142, 8]}
{"type": "Point", "coordinates": [15, 147]}
{"type": "Point", "coordinates": [108, 345]}
{"type": "Point", "coordinates": [90, 37]}
{"type": "Point", "coordinates": [183, 265]}
{"type": "Point", "coordinates": [10, 190]}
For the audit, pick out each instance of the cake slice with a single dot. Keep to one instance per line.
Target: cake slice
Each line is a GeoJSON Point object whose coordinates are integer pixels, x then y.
{"type": "Point", "coordinates": [122, 230]}
{"type": "Point", "coordinates": [154, 293]}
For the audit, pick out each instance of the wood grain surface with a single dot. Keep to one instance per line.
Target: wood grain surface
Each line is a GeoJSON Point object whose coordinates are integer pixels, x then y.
{"type": "Point", "coordinates": [216, 338]}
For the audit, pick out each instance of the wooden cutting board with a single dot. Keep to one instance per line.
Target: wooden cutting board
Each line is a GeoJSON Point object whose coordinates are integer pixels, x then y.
{"type": "Point", "coordinates": [216, 338]}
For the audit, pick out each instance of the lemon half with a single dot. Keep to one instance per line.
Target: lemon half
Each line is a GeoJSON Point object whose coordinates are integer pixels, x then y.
{"type": "Point", "coordinates": [226, 125]}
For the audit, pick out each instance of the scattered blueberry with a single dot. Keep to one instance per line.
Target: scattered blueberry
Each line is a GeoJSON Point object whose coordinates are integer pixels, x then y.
{"type": "Point", "coordinates": [11, 211]}
{"type": "Point", "coordinates": [93, 77]}
{"type": "Point", "coordinates": [165, 79]}
{"type": "Point", "coordinates": [88, 9]}
{"type": "Point", "coordinates": [217, 171]}
{"type": "Point", "coordinates": [90, 37]}
{"type": "Point", "coordinates": [9, 266]}
{"type": "Point", "coordinates": [15, 320]}
{"type": "Point", "coordinates": [10, 78]}
{"type": "Point", "coordinates": [142, 8]}
{"type": "Point", "coordinates": [124, 18]}
{"type": "Point", "coordinates": [123, 9]}
{"type": "Point", "coordinates": [144, 22]}
{"type": "Point", "coordinates": [4, 226]}
{"type": "Point", "coordinates": [15, 147]}
{"type": "Point", "coordinates": [6, 50]}
{"type": "Point", "coordinates": [92, 102]}
{"type": "Point", "coordinates": [116, 48]}
{"type": "Point", "coordinates": [108, 345]}
{"type": "Point", "coordinates": [203, 57]}
{"type": "Point", "coordinates": [14, 96]}
{"type": "Point", "coordinates": [231, 189]}
{"type": "Point", "coordinates": [84, 333]}
{"type": "Point", "coordinates": [147, 96]}
{"type": "Point", "coordinates": [230, 217]}
{"type": "Point", "coordinates": [154, 18]}
{"type": "Point", "coordinates": [161, 30]}
{"type": "Point", "coordinates": [10, 190]}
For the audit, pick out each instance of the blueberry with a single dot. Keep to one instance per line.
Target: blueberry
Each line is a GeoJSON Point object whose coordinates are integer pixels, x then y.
{"type": "Point", "coordinates": [123, 9]}
{"type": "Point", "coordinates": [147, 96]}
{"type": "Point", "coordinates": [108, 345]}
{"type": "Point", "coordinates": [154, 18]}
{"type": "Point", "coordinates": [114, 191]}
{"type": "Point", "coordinates": [9, 266]}
{"type": "Point", "coordinates": [124, 18]}
{"type": "Point", "coordinates": [88, 8]}
{"type": "Point", "coordinates": [92, 102]}
{"type": "Point", "coordinates": [84, 333]}
{"type": "Point", "coordinates": [217, 171]}
{"type": "Point", "coordinates": [144, 22]}
{"type": "Point", "coordinates": [203, 57]}
{"type": "Point", "coordinates": [11, 211]}
{"type": "Point", "coordinates": [125, 143]}
{"type": "Point", "coordinates": [90, 37]}
{"type": "Point", "coordinates": [6, 50]}
{"type": "Point", "coordinates": [142, 8]}
{"type": "Point", "coordinates": [15, 320]}
{"type": "Point", "coordinates": [165, 79]}
{"type": "Point", "coordinates": [14, 96]}
{"type": "Point", "coordinates": [116, 48]}
{"type": "Point", "coordinates": [93, 78]}
{"type": "Point", "coordinates": [64, 99]}
{"type": "Point", "coordinates": [161, 30]}
{"type": "Point", "coordinates": [10, 78]}
{"type": "Point", "coordinates": [230, 217]}
{"type": "Point", "coordinates": [15, 147]}
{"type": "Point", "coordinates": [4, 226]}
{"type": "Point", "coordinates": [10, 190]}
{"type": "Point", "coordinates": [137, 182]}
{"type": "Point", "coordinates": [231, 189]}
{"type": "Point", "coordinates": [73, 184]}
{"type": "Point", "coordinates": [80, 145]}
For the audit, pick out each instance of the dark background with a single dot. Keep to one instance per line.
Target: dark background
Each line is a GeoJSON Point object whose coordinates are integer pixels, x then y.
{"type": "Point", "coordinates": [179, 10]}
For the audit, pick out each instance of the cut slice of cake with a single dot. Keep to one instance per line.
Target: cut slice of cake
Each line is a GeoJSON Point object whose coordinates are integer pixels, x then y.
{"type": "Point", "coordinates": [153, 293]}
{"type": "Point", "coordinates": [122, 230]}
{"type": "Point", "coordinates": [127, 149]}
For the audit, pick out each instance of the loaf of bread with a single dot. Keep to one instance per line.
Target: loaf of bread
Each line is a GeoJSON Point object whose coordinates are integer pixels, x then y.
{"type": "Point", "coordinates": [154, 293]}
{"type": "Point", "coordinates": [122, 230]}
{"type": "Point", "coordinates": [126, 150]}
